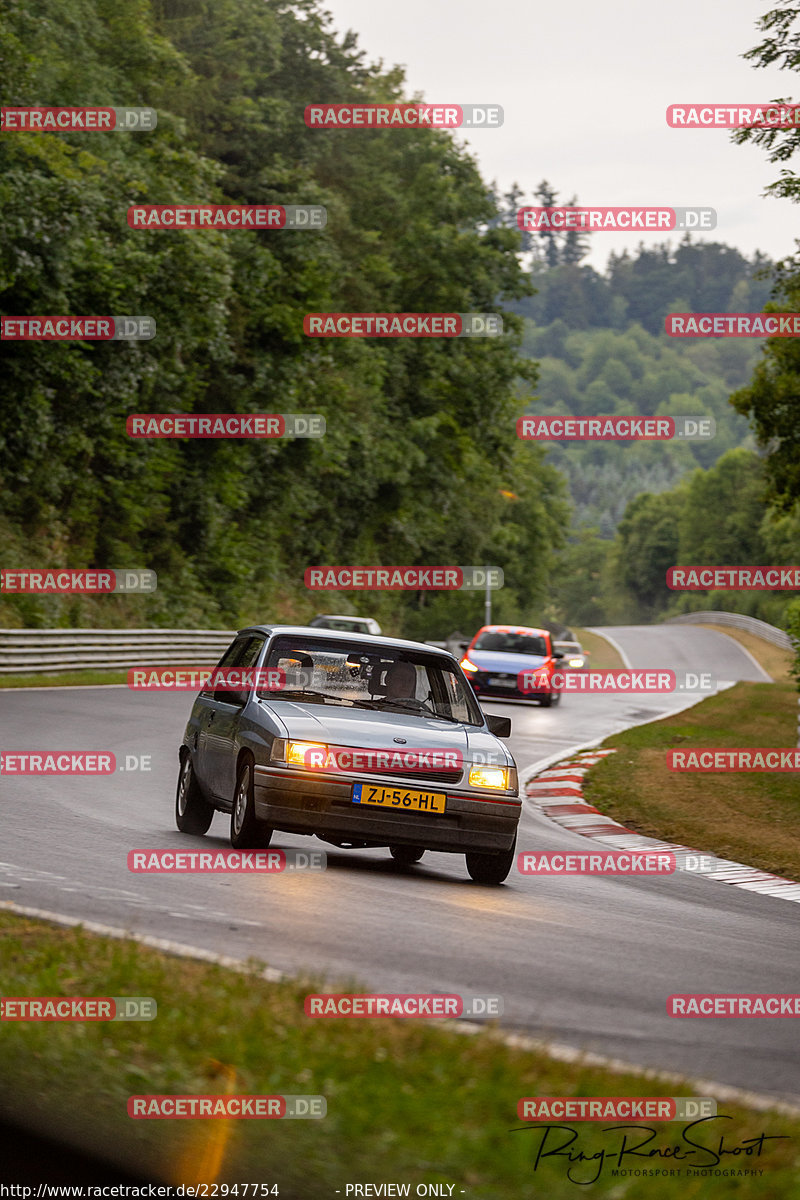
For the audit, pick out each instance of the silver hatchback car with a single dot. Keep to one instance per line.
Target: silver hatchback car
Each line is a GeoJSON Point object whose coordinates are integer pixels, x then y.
{"type": "Point", "coordinates": [361, 741]}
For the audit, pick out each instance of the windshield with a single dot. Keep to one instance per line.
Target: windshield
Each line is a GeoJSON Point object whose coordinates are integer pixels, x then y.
{"type": "Point", "coordinates": [325, 671]}
{"type": "Point", "coordinates": [512, 643]}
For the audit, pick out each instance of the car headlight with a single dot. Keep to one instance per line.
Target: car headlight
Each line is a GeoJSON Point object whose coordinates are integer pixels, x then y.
{"type": "Point", "coordinates": [466, 665]}
{"type": "Point", "coordinates": [299, 754]}
{"type": "Point", "coordinates": [575, 662]}
{"type": "Point", "coordinates": [496, 778]}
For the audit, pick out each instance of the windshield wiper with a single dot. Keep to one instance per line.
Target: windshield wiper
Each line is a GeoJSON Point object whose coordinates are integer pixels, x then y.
{"type": "Point", "coordinates": [303, 693]}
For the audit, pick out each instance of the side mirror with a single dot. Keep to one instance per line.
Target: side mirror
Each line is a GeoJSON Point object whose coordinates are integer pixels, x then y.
{"type": "Point", "coordinates": [558, 654]}
{"type": "Point", "coordinates": [499, 726]}
{"type": "Point", "coordinates": [232, 696]}
{"type": "Point", "coordinates": [462, 645]}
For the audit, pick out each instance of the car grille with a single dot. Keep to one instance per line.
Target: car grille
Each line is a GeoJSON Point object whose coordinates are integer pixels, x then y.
{"type": "Point", "coordinates": [452, 776]}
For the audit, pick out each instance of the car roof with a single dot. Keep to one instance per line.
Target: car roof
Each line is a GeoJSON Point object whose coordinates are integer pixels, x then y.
{"type": "Point", "coordinates": [513, 629]}
{"type": "Point", "coordinates": [339, 635]}
{"type": "Point", "coordinates": [340, 617]}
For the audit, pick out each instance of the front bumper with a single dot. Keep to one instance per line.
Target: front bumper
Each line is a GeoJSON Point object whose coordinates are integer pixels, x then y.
{"type": "Point", "coordinates": [507, 690]}
{"type": "Point", "coordinates": [300, 802]}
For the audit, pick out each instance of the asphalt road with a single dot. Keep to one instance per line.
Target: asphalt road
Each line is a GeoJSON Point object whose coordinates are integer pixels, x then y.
{"type": "Point", "coordinates": [584, 961]}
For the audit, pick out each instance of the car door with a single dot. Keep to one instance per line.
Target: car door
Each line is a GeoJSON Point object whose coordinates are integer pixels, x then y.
{"type": "Point", "coordinates": [223, 726]}
{"type": "Point", "coordinates": [205, 714]}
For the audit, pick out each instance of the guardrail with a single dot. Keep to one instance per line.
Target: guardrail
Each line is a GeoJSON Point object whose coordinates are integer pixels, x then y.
{"type": "Point", "coordinates": [770, 633]}
{"type": "Point", "coordinates": [24, 651]}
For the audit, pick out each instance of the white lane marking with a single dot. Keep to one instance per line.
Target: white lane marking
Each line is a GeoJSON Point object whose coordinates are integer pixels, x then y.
{"type": "Point", "coordinates": [625, 660]}
{"type": "Point", "coordinates": [554, 1050]}
{"type": "Point", "coordinates": [739, 645]}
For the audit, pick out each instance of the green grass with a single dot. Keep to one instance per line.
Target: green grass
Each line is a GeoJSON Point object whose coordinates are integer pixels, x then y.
{"type": "Point", "coordinates": [86, 678]}
{"type": "Point", "coordinates": [408, 1101]}
{"type": "Point", "coordinates": [751, 817]}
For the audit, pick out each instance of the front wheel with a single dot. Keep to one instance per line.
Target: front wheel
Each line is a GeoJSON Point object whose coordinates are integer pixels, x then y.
{"type": "Point", "coordinates": [193, 813]}
{"type": "Point", "coordinates": [406, 856]}
{"type": "Point", "coordinates": [490, 868]}
{"type": "Point", "coordinates": [247, 833]}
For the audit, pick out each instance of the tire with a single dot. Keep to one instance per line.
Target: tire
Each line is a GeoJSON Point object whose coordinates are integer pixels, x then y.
{"type": "Point", "coordinates": [193, 813]}
{"type": "Point", "coordinates": [247, 833]}
{"type": "Point", "coordinates": [546, 701]}
{"type": "Point", "coordinates": [556, 698]}
{"type": "Point", "coordinates": [406, 856]}
{"type": "Point", "coordinates": [490, 869]}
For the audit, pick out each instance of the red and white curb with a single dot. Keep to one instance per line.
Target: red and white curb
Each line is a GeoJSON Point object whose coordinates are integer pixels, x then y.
{"type": "Point", "coordinates": [558, 792]}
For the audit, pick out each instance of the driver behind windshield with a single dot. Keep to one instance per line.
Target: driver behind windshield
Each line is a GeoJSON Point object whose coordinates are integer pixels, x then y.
{"type": "Point", "coordinates": [401, 681]}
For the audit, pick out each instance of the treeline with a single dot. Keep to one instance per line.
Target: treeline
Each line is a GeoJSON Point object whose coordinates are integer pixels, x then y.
{"type": "Point", "coordinates": [714, 517]}
{"type": "Point", "coordinates": [420, 463]}
{"type": "Point", "coordinates": [634, 372]}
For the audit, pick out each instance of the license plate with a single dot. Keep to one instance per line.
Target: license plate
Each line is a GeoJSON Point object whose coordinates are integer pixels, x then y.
{"type": "Point", "coordinates": [399, 797]}
{"type": "Point", "coordinates": [500, 681]}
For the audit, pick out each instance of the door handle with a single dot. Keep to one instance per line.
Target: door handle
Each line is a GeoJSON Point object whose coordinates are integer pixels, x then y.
{"type": "Point", "coordinates": [211, 717]}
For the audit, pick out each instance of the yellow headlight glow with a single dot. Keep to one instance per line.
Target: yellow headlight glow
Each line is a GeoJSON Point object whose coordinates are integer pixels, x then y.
{"type": "Point", "coordinates": [302, 754]}
{"type": "Point", "coordinates": [488, 777]}
{"type": "Point", "coordinates": [466, 665]}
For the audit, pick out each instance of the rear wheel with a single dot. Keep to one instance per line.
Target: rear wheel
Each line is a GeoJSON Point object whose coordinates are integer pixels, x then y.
{"type": "Point", "coordinates": [406, 855]}
{"type": "Point", "coordinates": [490, 868]}
{"type": "Point", "coordinates": [247, 833]}
{"type": "Point", "coordinates": [193, 813]}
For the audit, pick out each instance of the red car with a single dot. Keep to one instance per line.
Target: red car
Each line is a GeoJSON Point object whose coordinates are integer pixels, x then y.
{"type": "Point", "coordinates": [497, 655]}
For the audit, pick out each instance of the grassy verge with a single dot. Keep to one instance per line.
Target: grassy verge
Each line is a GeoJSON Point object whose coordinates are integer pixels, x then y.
{"type": "Point", "coordinates": [65, 679]}
{"type": "Point", "coordinates": [407, 1101]}
{"type": "Point", "coordinates": [751, 817]}
{"type": "Point", "coordinates": [603, 655]}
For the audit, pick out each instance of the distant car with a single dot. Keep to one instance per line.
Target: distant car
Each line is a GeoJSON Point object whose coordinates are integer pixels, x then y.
{"type": "Point", "coordinates": [360, 741]}
{"type": "Point", "coordinates": [496, 655]}
{"type": "Point", "coordinates": [347, 624]}
{"type": "Point", "coordinates": [575, 657]}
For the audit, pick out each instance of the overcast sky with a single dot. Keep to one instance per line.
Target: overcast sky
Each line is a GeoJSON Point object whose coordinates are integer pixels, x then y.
{"type": "Point", "coordinates": [585, 86]}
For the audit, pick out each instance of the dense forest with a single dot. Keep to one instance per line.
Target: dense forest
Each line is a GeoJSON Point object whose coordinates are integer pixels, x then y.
{"type": "Point", "coordinates": [420, 463]}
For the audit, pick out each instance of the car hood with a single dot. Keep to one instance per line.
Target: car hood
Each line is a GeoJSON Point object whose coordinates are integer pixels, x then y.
{"type": "Point", "coordinates": [498, 660]}
{"type": "Point", "coordinates": [368, 730]}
